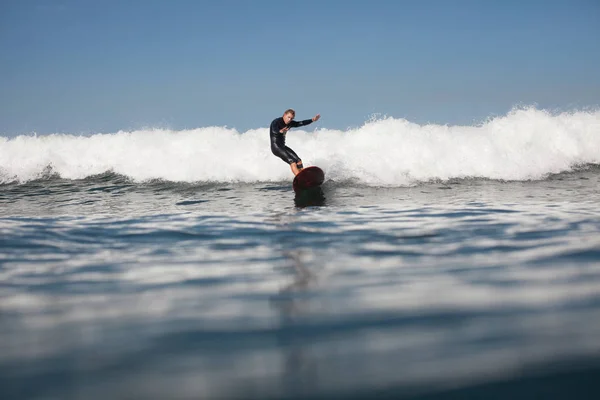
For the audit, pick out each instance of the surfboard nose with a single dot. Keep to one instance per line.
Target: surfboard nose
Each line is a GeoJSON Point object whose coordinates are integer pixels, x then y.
{"type": "Point", "coordinates": [307, 178]}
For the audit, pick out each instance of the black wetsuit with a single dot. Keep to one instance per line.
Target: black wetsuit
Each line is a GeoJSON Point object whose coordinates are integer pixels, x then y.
{"type": "Point", "coordinates": [278, 146]}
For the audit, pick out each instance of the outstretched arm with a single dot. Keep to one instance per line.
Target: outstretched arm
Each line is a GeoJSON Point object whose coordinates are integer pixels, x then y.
{"type": "Point", "coordinates": [295, 124]}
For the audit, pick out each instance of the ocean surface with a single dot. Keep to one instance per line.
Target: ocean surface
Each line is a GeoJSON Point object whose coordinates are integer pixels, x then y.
{"type": "Point", "coordinates": [435, 262]}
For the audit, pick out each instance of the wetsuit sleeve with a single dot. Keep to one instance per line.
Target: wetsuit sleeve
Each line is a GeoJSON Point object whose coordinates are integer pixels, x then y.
{"type": "Point", "coordinates": [295, 124]}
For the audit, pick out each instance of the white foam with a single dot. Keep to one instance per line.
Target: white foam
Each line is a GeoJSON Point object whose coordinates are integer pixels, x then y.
{"type": "Point", "coordinates": [525, 144]}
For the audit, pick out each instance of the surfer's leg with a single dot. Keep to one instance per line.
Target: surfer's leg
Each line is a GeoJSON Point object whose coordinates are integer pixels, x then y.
{"type": "Point", "coordinates": [295, 169]}
{"type": "Point", "coordinates": [295, 157]}
{"type": "Point", "coordinates": [291, 158]}
{"type": "Point", "coordinates": [281, 152]}
{"type": "Point", "coordinates": [287, 155]}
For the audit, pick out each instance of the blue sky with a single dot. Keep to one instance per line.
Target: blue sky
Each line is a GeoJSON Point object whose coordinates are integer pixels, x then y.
{"type": "Point", "coordinates": [87, 66]}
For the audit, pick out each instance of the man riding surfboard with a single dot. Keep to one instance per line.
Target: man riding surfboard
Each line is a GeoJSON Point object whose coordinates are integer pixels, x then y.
{"type": "Point", "coordinates": [279, 128]}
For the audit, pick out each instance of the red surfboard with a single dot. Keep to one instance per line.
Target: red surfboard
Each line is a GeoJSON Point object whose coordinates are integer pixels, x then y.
{"type": "Point", "coordinates": [307, 178]}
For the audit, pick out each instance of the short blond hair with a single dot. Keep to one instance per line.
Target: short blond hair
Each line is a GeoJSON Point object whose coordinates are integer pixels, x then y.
{"type": "Point", "coordinates": [290, 111]}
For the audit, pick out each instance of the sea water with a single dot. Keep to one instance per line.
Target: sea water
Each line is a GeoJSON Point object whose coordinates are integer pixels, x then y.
{"type": "Point", "coordinates": [434, 262]}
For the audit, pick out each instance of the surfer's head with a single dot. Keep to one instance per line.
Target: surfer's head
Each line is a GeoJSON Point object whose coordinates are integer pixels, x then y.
{"type": "Point", "coordinates": [288, 115]}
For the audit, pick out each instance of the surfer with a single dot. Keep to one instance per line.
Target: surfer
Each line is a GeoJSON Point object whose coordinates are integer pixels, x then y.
{"type": "Point", "coordinates": [279, 127]}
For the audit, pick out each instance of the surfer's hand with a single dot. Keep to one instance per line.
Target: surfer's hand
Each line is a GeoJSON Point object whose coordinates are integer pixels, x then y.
{"type": "Point", "coordinates": [284, 130]}
{"type": "Point", "coordinates": [316, 117]}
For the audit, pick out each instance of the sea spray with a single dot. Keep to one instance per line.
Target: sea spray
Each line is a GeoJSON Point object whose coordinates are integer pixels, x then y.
{"type": "Point", "coordinates": [525, 144]}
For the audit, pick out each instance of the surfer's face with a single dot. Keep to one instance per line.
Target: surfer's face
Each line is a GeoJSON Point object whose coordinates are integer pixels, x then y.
{"type": "Point", "coordinates": [288, 117]}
